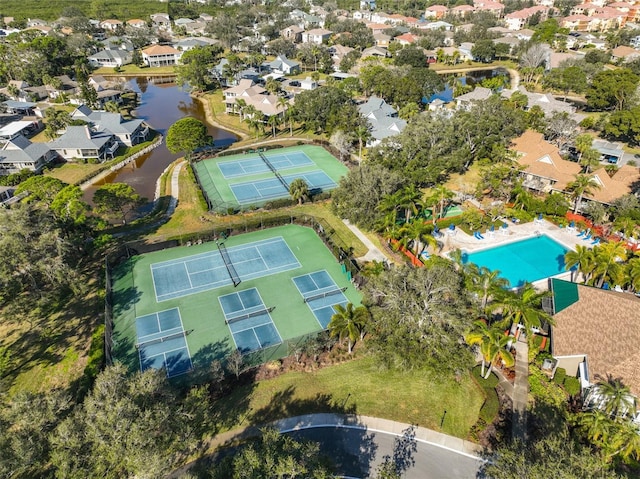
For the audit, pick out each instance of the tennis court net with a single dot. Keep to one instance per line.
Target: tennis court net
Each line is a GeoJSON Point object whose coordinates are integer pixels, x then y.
{"type": "Point", "coordinates": [162, 339]}
{"type": "Point", "coordinates": [233, 274]}
{"type": "Point", "coordinates": [324, 295]}
{"type": "Point", "coordinates": [273, 169]}
{"type": "Point", "coordinates": [262, 312]}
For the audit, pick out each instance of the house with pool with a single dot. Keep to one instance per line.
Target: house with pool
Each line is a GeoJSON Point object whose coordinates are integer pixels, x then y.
{"type": "Point", "coordinates": [596, 336]}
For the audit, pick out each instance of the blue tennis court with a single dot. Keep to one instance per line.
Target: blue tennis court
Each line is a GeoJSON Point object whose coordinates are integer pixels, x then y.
{"type": "Point", "coordinates": [260, 190]}
{"type": "Point", "coordinates": [251, 166]}
{"type": "Point", "coordinates": [162, 343]}
{"type": "Point", "coordinates": [203, 272]}
{"type": "Point", "coordinates": [249, 320]}
{"type": "Point", "coordinates": [321, 294]}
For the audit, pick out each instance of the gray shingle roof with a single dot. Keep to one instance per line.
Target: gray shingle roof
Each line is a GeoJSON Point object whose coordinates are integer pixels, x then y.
{"type": "Point", "coordinates": [21, 149]}
{"type": "Point", "coordinates": [81, 137]}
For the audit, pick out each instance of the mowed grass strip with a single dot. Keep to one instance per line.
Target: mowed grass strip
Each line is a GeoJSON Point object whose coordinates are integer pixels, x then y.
{"type": "Point", "coordinates": [361, 387]}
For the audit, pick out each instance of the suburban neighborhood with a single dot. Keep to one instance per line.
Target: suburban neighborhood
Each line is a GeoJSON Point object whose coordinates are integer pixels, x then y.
{"type": "Point", "coordinates": [320, 239]}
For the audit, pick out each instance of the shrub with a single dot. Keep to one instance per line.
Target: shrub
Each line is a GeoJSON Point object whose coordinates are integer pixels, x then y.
{"type": "Point", "coordinates": [572, 386]}
{"type": "Point", "coordinates": [281, 203]}
{"type": "Point", "coordinates": [560, 376]}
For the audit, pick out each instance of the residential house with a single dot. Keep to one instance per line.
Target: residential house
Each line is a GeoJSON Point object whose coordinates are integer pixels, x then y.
{"type": "Point", "coordinates": [282, 65]}
{"type": "Point", "coordinates": [367, 4]}
{"type": "Point", "coordinates": [118, 43]}
{"type": "Point", "coordinates": [383, 119]}
{"type": "Point", "coordinates": [406, 39]}
{"type": "Point", "coordinates": [377, 27]}
{"type": "Point", "coordinates": [20, 154]}
{"type": "Point", "coordinates": [110, 58]}
{"type": "Point", "coordinates": [126, 132]}
{"type": "Point", "coordinates": [438, 25]}
{"type": "Point", "coordinates": [512, 42]}
{"type": "Point", "coordinates": [25, 92]}
{"type": "Point", "coordinates": [161, 55]}
{"type": "Point", "coordinates": [255, 96]}
{"type": "Point", "coordinates": [161, 21]}
{"type": "Point", "coordinates": [382, 40]}
{"type": "Point", "coordinates": [596, 334]}
{"type": "Point", "coordinates": [338, 52]}
{"type": "Point", "coordinates": [293, 33]}
{"type": "Point", "coordinates": [546, 102]}
{"type": "Point", "coordinates": [66, 87]}
{"type": "Point", "coordinates": [205, 17]}
{"type": "Point", "coordinates": [136, 23]}
{"type": "Point", "coordinates": [317, 36]}
{"type": "Point", "coordinates": [495, 8]}
{"type": "Point", "coordinates": [36, 22]}
{"type": "Point", "coordinates": [190, 43]}
{"type": "Point", "coordinates": [478, 94]}
{"type": "Point", "coordinates": [436, 12]}
{"type": "Point", "coordinates": [624, 54]}
{"type": "Point", "coordinates": [375, 52]}
{"type": "Point", "coordinates": [111, 24]}
{"type": "Point", "coordinates": [544, 169]}
{"type": "Point", "coordinates": [84, 143]}
{"type": "Point", "coordinates": [519, 19]}
{"type": "Point", "coordinates": [6, 193]}
{"type": "Point", "coordinates": [462, 11]}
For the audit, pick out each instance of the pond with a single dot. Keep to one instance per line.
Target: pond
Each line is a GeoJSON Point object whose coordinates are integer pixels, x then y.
{"type": "Point", "coordinates": [471, 78]}
{"type": "Point", "coordinates": [162, 103]}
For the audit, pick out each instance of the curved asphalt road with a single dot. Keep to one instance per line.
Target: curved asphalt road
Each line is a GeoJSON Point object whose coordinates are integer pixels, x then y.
{"type": "Point", "coordinates": [359, 452]}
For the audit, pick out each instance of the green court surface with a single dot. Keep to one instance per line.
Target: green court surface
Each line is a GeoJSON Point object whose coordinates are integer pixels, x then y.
{"type": "Point", "coordinates": [178, 308]}
{"type": "Point", "coordinates": [256, 177]}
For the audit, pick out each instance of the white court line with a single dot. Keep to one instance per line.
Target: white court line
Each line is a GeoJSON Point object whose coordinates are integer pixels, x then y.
{"type": "Point", "coordinates": [365, 428]}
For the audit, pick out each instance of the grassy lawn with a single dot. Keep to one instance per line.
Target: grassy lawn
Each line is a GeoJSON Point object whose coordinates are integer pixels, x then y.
{"type": "Point", "coordinates": [72, 173]}
{"type": "Point", "coordinates": [49, 348]}
{"type": "Point", "coordinates": [217, 109]}
{"type": "Point", "coordinates": [359, 386]}
{"type": "Point", "coordinates": [464, 182]}
{"type": "Point", "coordinates": [190, 210]}
{"type": "Point", "coordinates": [133, 70]}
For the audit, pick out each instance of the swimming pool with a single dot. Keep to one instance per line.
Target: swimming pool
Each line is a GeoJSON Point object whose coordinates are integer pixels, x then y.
{"type": "Point", "coordinates": [529, 260]}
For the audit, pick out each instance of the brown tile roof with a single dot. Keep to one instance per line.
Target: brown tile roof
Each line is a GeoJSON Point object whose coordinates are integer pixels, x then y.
{"type": "Point", "coordinates": [160, 50]}
{"type": "Point", "coordinates": [543, 159]}
{"type": "Point", "coordinates": [604, 325]}
{"type": "Point", "coordinates": [616, 186]}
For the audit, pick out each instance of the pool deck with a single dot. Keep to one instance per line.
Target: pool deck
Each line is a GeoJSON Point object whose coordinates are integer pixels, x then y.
{"type": "Point", "coordinates": [515, 232]}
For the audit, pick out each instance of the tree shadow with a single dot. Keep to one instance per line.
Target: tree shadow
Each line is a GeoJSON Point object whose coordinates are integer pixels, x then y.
{"type": "Point", "coordinates": [404, 449]}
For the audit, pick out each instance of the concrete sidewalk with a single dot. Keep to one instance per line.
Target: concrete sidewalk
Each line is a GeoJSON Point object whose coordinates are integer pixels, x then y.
{"type": "Point", "coordinates": [374, 254]}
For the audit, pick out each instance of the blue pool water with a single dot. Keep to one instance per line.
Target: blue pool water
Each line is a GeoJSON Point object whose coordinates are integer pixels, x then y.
{"type": "Point", "coordinates": [527, 260]}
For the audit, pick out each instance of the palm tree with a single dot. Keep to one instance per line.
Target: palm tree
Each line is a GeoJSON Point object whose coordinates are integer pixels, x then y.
{"type": "Point", "coordinates": [582, 185]}
{"type": "Point", "coordinates": [583, 258]}
{"type": "Point", "coordinates": [590, 159]}
{"type": "Point", "coordinates": [440, 196]}
{"type": "Point", "coordinates": [410, 198]}
{"type": "Point", "coordinates": [607, 262]}
{"type": "Point", "coordinates": [633, 273]}
{"type": "Point", "coordinates": [596, 425]}
{"type": "Point", "coordinates": [625, 442]}
{"type": "Point", "coordinates": [485, 283]}
{"type": "Point", "coordinates": [416, 233]}
{"type": "Point", "coordinates": [299, 190]}
{"type": "Point", "coordinates": [274, 121]}
{"type": "Point", "coordinates": [524, 307]}
{"type": "Point", "coordinates": [363, 133]}
{"type": "Point", "coordinates": [348, 323]}
{"type": "Point", "coordinates": [493, 343]}
{"type": "Point", "coordinates": [616, 399]}
{"type": "Point", "coordinates": [240, 104]}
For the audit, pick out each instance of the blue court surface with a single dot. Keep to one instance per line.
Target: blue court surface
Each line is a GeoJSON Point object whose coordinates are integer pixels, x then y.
{"type": "Point", "coordinates": [162, 344]}
{"type": "Point", "coordinates": [206, 271]}
{"type": "Point", "coordinates": [260, 190]}
{"type": "Point", "coordinates": [249, 320]}
{"type": "Point", "coordinates": [251, 166]}
{"type": "Point", "coordinates": [321, 294]}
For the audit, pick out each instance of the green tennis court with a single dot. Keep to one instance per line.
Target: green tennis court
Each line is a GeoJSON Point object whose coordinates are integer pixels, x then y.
{"type": "Point", "coordinates": [252, 179]}
{"type": "Point", "coordinates": [178, 308]}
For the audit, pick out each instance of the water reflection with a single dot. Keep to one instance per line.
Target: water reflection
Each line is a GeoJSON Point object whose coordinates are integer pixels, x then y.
{"type": "Point", "coordinates": [162, 103]}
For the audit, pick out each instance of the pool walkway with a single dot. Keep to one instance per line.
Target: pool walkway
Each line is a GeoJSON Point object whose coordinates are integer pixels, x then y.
{"type": "Point", "coordinates": [568, 237]}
